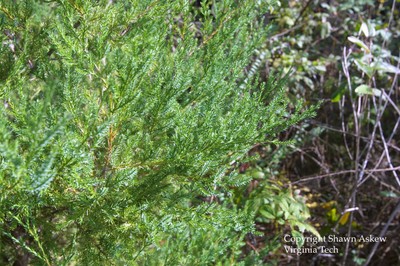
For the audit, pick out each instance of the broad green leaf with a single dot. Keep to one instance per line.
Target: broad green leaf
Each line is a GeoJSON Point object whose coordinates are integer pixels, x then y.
{"type": "Point", "coordinates": [325, 30]}
{"type": "Point", "coordinates": [378, 93]}
{"type": "Point", "coordinates": [364, 90]}
{"type": "Point", "coordinates": [257, 174]}
{"type": "Point", "coordinates": [267, 215]}
{"type": "Point", "coordinates": [289, 21]}
{"type": "Point", "coordinates": [386, 67]}
{"type": "Point", "coordinates": [336, 98]}
{"type": "Point", "coordinates": [359, 43]}
{"type": "Point", "coordinates": [337, 95]}
{"type": "Point", "coordinates": [311, 229]}
{"type": "Point", "coordinates": [389, 194]}
{"type": "Point", "coordinates": [279, 213]}
{"type": "Point", "coordinates": [364, 29]}
{"type": "Point", "coordinates": [321, 68]}
{"type": "Point", "coordinates": [367, 69]}
{"type": "Point", "coordinates": [371, 29]}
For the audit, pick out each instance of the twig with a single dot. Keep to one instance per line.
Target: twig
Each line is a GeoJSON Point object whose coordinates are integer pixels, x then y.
{"type": "Point", "coordinates": [283, 33]}
{"type": "Point", "coordinates": [356, 108]}
{"type": "Point", "coordinates": [341, 105]}
{"type": "Point", "coordinates": [344, 172]}
{"type": "Point", "coordinates": [385, 152]}
{"type": "Point", "coordinates": [253, 247]}
{"type": "Point", "coordinates": [385, 147]}
{"type": "Point", "coordinates": [363, 138]}
{"type": "Point", "coordinates": [302, 11]}
{"type": "Point", "coordinates": [382, 233]}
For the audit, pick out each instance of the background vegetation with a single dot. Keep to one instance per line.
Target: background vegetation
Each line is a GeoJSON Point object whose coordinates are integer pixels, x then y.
{"type": "Point", "coordinates": [167, 133]}
{"type": "Point", "coordinates": [346, 160]}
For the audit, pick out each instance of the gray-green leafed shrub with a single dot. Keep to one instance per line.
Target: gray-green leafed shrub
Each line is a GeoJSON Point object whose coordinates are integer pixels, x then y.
{"type": "Point", "coordinates": [117, 120]}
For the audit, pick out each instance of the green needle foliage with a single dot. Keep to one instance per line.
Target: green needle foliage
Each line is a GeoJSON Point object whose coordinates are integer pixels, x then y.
{"type": "Point", "coordinates": [118, 117]}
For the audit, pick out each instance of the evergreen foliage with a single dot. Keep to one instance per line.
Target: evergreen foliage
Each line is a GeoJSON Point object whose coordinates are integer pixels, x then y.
{"type": "Point", "coordinates": [118, 117]}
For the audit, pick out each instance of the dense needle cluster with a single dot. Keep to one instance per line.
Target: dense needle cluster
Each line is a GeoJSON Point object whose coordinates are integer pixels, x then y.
{"type": "Point", "coordinates": [116, 116]}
